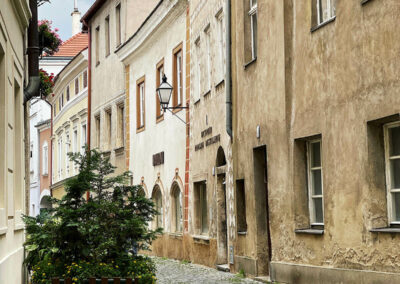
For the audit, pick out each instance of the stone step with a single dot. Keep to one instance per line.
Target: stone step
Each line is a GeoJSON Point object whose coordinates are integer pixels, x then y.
{"type": "Point", "coordinates": [223, 267]}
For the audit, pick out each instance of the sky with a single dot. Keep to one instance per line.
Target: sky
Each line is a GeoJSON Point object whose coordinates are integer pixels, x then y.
{"type": "Point", "coordinates": [59, 12]}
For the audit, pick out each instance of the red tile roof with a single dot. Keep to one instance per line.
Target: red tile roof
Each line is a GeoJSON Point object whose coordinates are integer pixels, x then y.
{"type": "Point", "coordinates": [72, 46]}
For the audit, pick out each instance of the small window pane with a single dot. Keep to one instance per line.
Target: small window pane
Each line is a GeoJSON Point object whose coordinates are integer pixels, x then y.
{"type": "Point", "coordinates": [317, 182]}
{"type": "Point", "coordinates": [319, 217]}
{"type": "Point", "coordinates": [395, 173]}
{"type": "Point", "coordinates": [254, 19]}
{"type": "Point", "coordinates": [396, 206]}
{"type": "Point", "coordinates": [316, 154]}
{"type": "Point", "coordinates": [394, 141]}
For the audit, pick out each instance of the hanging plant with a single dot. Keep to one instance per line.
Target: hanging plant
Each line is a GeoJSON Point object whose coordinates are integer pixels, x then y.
{"type": "Point", "coordinates": [46, 83]}
{"type": "Point", "coordinates": [49, 40]}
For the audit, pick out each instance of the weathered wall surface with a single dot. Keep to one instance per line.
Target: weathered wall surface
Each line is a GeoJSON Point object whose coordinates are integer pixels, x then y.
{"type": "Point", "coordinates": [330, 82]}
{"type": "Point", "coordinates": [208, 134]}
{"type": "Point", "coordinates": [108, 78]}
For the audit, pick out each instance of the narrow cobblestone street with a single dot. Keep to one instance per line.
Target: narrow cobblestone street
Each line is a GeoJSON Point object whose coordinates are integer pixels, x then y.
{"type": "Point", "coordinates": [173, 271]}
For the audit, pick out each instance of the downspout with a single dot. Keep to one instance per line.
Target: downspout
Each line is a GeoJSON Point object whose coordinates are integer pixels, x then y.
{"type": "Point", "coordinates": [228, 75]}
{"type": "Point", "coordinates": [33, 50]}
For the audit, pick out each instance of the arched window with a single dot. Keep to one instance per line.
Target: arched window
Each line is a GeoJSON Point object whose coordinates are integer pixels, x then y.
{"type": "Point", "coordinates": [157, 199]}
{"type": "Point", "coordinates": [176, 196]}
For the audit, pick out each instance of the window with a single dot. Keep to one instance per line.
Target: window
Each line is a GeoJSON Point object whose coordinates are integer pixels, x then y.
{"type": "Point", "coordinates": [31, 158]}
{"type": "Point", "coordinates": [83, 138]}
{"type": "Point", "coordinates": [60, 101]}
{"type": "Point", "coordinates": [77, 86]}
{"type": "Point", "coordinates": [253, 27]}
{"type": "Point", "coordinates": [220, 46]}
{"type": "Point", "coordinates": [392, 161]}
{"type": "Point", "coordinates": [97, 123]}
{"type": "Point", "coordinates": [45, 159]}
{"type": "Point", "coordinates": [108, 127]}
{"type": "Point", "coordinates": [241, 206]}
{"type": "Point", "coordinates": [67, 93]}
{"type": "Point", "coordinates": [85, 79]}
{"type": "Point", "coordinates": [75, 141]}
{"type": "Point", "coordinates": [315, 183]}
{"type": "Point", "coordinates": [121, 125]}
{"type": "Point", "coordinates": [107, 35]}
{"type": "Point", "coordinates": [198, 78]}
{"type": "Point", "coordinates": [201, 218]}
{"type": "Point", "coordinates": [59, 157]}
{"type": "Point", "coordinates": [323, 11]}
{"type": "Point", "coordinates": [118, 23]}
{"type": "Point", "coordinates": [67, 150]}
{"type": "Point", "coordinates": [54, 110]}
{"type": "Point", "coordinates": [97, 45]}
{"type": "Point", "coordinates": [177, 224]}
{"type": "Point", "coordinates": [140, 104]}
{"type": "Point", "coordinates": [159, 76]}
{"type": "Point", "coordinates": [157, 199]}
{"type": "Point", "coordinates": [177, 77]}
{"type": "Point", "coordinates": [207, 86]}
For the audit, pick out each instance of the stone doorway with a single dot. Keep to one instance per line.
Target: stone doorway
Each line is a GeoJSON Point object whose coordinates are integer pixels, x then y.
{"type": "Point", "coordinates": [222, 228]}
{"type": "Point", "coordinates": [262, 210]}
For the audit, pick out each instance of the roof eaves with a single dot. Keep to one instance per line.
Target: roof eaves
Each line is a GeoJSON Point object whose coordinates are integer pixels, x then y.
{"type": "Point", "coordinates": [92, 10]}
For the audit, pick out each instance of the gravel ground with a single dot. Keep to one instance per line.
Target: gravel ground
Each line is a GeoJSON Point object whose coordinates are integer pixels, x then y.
{"type": "Point", "coordinates": [173, 271]}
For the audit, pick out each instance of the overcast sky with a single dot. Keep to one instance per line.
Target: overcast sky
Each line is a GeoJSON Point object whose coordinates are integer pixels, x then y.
{"type": "Point", "coordinates": [59, 12]}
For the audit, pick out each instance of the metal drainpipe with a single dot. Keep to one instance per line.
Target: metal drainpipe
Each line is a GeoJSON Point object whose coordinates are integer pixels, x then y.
{"type": "Point", "coordinates": [228, 79]}
{"type": "Point", "coordinates": [33, 50]}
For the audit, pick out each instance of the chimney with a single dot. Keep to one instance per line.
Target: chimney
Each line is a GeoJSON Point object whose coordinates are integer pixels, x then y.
{"type": "Point", "coordinates": [76, 18]}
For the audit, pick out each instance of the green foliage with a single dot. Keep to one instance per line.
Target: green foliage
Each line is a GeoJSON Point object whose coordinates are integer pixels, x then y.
{"type": "Point", "coordinates": [108, 228]}
{"type": "Point", "coordinates": [46, 83]}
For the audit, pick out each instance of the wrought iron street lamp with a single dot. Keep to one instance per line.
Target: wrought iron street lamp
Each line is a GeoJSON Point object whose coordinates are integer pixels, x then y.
{"type": "Point", "coordinates": [164, 94]}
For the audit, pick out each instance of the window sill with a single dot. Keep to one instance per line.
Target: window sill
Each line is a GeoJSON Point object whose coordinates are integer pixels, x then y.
{"type": "Point", "coordinates": [201, 239]}
{"type": "Point", "coordinates": [159, 118]}
{"type": "Point", "coordinates": [176, 235]}
{"type": "Point", "coordinates": [207, 93]}
{"type": "Point", "coordinates": [250, 63]}
{"type": "Point", "coordinates": [19, 227]}
{"type": "Point", "coordinates": [242, 233]}
{"type": "Point", "coordinates": [141, 129]}
{"type": "Point", "coordinates": [313, 29]}
{"type": "Point", "coordinates": [45, 175]}
{"type": "Point", "coordinates": [385, 230]}
{"type": "Point", "coordinates": [220, 83]}
{"type": "Point", "coordinates": [98, 63]}
{"type": "Point", "coordinates": [310, 231]}
{"type": "Point", "coordinates": [197, 102]}
{"type": "Point", "coordinates": [3, 231]}
{"type": "Point", "coordinates": [119, 150]}
{"type": "Point", "coordinates": [177, 109]}
{"type": "Point", "coordinates": [365, 2]}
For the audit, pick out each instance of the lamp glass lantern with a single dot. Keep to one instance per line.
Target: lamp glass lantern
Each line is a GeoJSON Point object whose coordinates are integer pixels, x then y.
{"type": "Point", "coordinates": [164, 92]}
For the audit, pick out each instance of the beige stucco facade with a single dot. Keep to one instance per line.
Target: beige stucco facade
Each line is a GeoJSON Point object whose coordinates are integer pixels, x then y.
{"type": "Point", "coordinates": [158, 147]}
{"type": "Point", "coordinates": [69, 120]}
{"type": "Point", "coordinates": [110, 25]}
{"type": "Point", "coordinates": [210, 145]}
{"type": "Point", "coordinates": [14, 20]}
{"type": "Point", "coordinates": [336, 83]}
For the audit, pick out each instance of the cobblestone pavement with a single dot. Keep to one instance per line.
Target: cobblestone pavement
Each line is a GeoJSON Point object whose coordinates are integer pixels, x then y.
{"type": "Point", "coordinates": [173, 271]}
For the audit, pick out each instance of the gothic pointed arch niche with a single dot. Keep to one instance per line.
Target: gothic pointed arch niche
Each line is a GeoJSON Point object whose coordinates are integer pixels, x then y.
{"type": "Point", "coordinates": [176, 208]}
{"type": "Point", "coordinates": [157, 198]}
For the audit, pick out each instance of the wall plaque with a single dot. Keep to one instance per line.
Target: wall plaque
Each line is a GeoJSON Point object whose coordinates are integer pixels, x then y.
{"type": "Point", "coordinates": [158, 159]}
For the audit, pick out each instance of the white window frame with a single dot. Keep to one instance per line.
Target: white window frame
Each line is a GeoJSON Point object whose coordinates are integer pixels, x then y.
{"type": "Point", "coordinates": [253, 12]}
{"type": "Point", "coordinates": [141, 106]}
{"type": "Point", "coordinates": [179, 74]}
{"type": "Point", "coordinates": [45, 159]}
{"type": "Point", "coordinates": [311, 196]}
{"type": "Point", "coordinates": [331, 11]}
{"type": "Point", "coordinates": [220, 45]}
{"type": "Point", "coordinates": [75, 140]}
{"type": "Point", "coordinates": [198, 71]}
{"type": "Point", "coordinates": [83, 137]}
{"type": "Point", "coordinates": [208, 57]}
{"type": "Point", "coordinates": [389, 190]}
{"type": "Point", "coordinates": [59, 162]}
{"type": "Point", "coordinates": [67, 149]}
